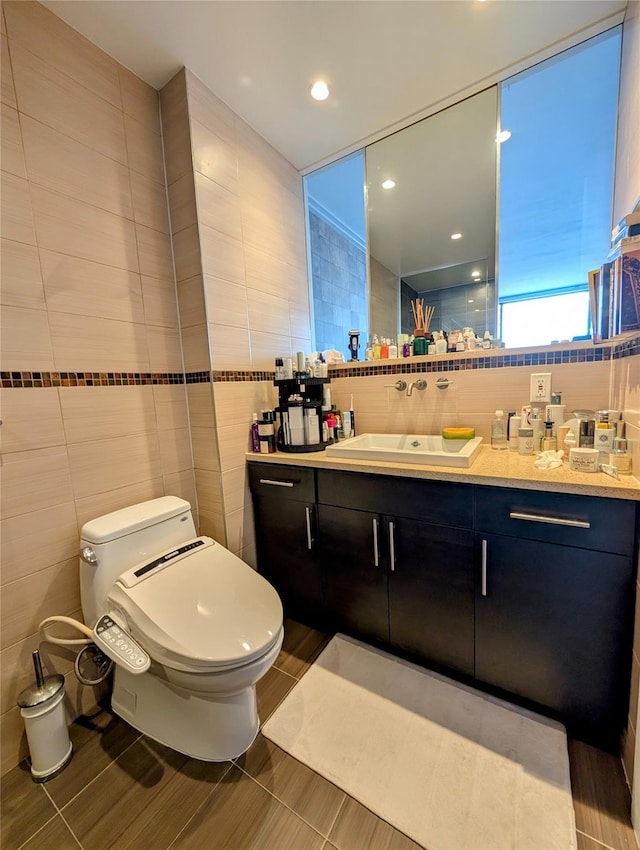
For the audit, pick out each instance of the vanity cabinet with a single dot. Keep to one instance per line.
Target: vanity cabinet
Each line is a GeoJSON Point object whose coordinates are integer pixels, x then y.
{"type": "Point", "coordinates": [390, 576]}
{"type": "Point", "coordinates": [284, 504]}
{"type": "Point", "coordinates": [554, 602]}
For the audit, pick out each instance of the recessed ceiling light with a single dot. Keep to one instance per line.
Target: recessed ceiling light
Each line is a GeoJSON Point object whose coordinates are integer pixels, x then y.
{"type": "Point", "coordinates": [320, 90]}
{"type": "Point", "coordinates": [388, 184]}
{"type": "Point", "coordinates": [502, 136]}
{"type": "Point", "coordinates": [456, 235]}
{"type": "Point", "coordinates": [469, 300]}
{"type": "Point", "coordinates": [475, 273]}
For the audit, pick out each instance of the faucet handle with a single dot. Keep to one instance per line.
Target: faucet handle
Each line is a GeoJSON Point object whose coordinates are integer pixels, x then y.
{"type": "Point", "coordinates": [399, 385]}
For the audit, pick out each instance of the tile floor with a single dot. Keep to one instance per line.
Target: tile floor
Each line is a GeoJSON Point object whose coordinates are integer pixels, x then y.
{"type": "Point", "coordinates": [123, 790]}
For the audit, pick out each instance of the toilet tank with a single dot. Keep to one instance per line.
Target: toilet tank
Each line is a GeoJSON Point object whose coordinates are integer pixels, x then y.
{"type": "Point", "coordinates": [120, 540]}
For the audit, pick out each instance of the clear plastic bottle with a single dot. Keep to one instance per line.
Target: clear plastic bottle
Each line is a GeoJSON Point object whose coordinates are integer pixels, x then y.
{"type": "Point", "coordinates": [499, 432]}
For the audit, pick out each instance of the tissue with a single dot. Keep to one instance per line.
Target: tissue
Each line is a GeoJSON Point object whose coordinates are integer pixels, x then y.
{"type": "Point", "coordinates": [549, 459]}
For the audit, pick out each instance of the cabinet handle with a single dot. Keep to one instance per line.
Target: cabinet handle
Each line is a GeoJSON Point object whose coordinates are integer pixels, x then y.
{"type": "Point", "coordinates": [376, 552]}
{"type": "Point", "coordinates": [276, 483]}
{"type": "Point", "coordinates": [392, 547]}
{"type": "Point", "coordinates": [552, 520]}
{"type": "Point", "coordinates": [483, 588]}
{"type": "Point", "coordinates": [307, 512]}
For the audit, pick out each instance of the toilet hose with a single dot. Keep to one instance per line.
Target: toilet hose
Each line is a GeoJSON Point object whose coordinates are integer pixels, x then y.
{"type": "Point", "coordinates": [91, 665]}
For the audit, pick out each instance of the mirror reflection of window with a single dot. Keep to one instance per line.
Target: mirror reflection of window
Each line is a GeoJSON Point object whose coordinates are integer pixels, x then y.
{"type": "Point", "coordinates": [555, 189]}
{"type": "Point", "coordinates": [337, 253]}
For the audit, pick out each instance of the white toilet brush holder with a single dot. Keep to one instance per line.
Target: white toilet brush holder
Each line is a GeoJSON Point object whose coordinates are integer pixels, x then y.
{"type": "Point", "coordinates": [42, 708]}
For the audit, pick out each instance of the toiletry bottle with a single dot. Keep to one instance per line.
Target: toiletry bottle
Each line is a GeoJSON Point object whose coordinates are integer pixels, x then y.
{"type": "Point", "coordinates": [499, 432]}
{"type": "Point", "coordinates": [280, 373]}
{"type": "Point", "coordinates": [376, 347]}
{"type": "Point", "coordinates": [525, 440]}
{"type": "Point", "coordinates": [384, 349]}
{"type": "Point", "coordinates": [368, 352]}
{"type": "Point", "coordinates": [538, 429]}
{"type": "Point", "coordinates": [441, 344]}
{"type": "Point", "coordinates": [619, 457]}
{"type": "Point", "coordinates": [548, 442]}
{"type": "Point", "coordinates": [393, 350]}
{"type": "Point", "coordinates": [255, 439]}
{"type": "Point", "coordinates": [486, 340]}
{"type": "Point", "coordinates": [514, 427]}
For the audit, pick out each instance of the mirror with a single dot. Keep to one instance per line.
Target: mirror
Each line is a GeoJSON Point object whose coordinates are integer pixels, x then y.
{"type": "Point", "coordinates": [533, 212]}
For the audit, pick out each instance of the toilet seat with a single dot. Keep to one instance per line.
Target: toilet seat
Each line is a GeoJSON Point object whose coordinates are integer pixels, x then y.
{"type": "Point", "coordinates": [199, 608]}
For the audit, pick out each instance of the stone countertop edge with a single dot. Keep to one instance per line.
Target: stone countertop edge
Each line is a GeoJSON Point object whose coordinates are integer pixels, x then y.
{"type": "Point", "coordinates": [497, 469]}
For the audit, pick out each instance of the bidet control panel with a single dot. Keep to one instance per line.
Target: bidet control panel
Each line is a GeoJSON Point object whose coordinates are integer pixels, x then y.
{"type": "Point", "coordinates": [120, 646]}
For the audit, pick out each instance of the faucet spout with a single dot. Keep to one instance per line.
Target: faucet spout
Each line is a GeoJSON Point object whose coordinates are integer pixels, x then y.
{"type": "Point", "coordinates": [420, 384]}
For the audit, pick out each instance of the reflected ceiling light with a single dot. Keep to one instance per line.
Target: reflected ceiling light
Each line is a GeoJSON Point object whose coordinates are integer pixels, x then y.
{"type": "Point", "coordinates": [475, 273]}
{"type": "Point", "coordinates": [456, 235]}
{"type": "Point", "coordinates": [388, 184]}
{"type": "Point", "coordinates": [319, 90]}
{"type": "Point", "coordinates": [469, 300]}
{"type": "Point", "coordinates": [502, 136]}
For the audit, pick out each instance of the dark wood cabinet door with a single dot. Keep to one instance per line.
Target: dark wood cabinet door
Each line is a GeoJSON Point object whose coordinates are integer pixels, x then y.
{"type": "Point", "coordinates": [431, 592]}
{"type": "Point", "coordinates": [286, 548]}
{"type": "Point", "coordinates": [554, 626]}
{"type": "Point", "coordinates": [354, 586]}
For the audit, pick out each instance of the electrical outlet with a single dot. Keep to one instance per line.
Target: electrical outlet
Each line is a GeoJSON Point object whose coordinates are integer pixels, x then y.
{"type": "Point", "coordinates": [540, 387]}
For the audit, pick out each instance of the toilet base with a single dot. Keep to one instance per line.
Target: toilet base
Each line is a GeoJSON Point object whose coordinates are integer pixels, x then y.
{"type": "Point", "coordinates": [208, 729]}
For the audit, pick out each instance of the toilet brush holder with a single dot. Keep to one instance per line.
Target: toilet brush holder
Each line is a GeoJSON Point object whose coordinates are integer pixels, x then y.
{"type": "Point", "coordinates": [42, 708]}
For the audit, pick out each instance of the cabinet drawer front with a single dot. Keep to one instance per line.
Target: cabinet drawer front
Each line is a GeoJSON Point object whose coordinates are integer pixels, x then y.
{"type": "Point", "coordinates": [606, 525]}
{"type": "Point", "coordinates": [282, 482]}
{"type": "Point", "coordinates": [432, 501]}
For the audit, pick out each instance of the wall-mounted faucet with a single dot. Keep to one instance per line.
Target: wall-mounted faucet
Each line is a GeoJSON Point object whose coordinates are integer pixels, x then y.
{"type": "Point", "coordinates": [420, 384]}
{"type": "Point", "coordinates": [399, 385]}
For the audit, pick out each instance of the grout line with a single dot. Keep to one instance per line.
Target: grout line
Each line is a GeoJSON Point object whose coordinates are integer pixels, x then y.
{"type": "Point", "coordinates": [71, 831]}
{"type": "Point", "coordinates": [204, 802]}
{"type": "Point", "coordinates": [53, 816]}
{"type": "Point", "coordinates": [340, 808]}
{"type": "Point", "coordinates": [291, 676]}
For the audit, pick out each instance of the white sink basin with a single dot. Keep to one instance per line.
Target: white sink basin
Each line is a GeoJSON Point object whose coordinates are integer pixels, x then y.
{"type": "Point", "coordinates": [408, 448]}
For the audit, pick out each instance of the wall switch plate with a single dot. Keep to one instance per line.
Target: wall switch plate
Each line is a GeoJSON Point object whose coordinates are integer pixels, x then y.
{"type": "Point", "coordinates": [540, 387]}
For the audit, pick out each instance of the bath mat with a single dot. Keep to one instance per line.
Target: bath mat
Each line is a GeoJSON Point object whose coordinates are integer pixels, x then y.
{"type": "Point", "coordinates": [450, 767]}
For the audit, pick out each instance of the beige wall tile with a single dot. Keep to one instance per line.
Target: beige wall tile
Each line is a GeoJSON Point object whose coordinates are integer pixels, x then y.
{"type": "Point", "coordinates": [139, 99]}
{"type": "Point", "coordinates": [195, 349]}
{"type": "Point", "coordinates": [31, 419]}
{"type": "Point", "coordinates": [11, 152]}
{"type": "Point", "coordinates": [84, 288]}
{"type": "Point", "coordinates": [235, 402]}
{"type": "Point", "coordinates": [13, 740]}
{"type": "Point", "coordinates": [103, 465]}
{"type": "Point", "coordinates": [205, 448]}
{"type": "Point", "coordinates": [63, 165]}
{"type": "Point", "coordinates": [175, 451]}
{"type": "Point", "coordinates": [233, 444]}
{"type": "Point", "coordinates": [149, 202]}
{"type": "Point", "coordinates": [235, 488]}
{"type": "Point", "coordinates": [26, 602]}
{"type": "Point", "coordinates": [170, 402]}
{"type": "Point", "coordinates": [21, 277]}
{"type": "Point", "coordinates": [240, 529]}
{"type": "Point", "coordinates": [154, 252]}
{"type": "Point", "coordinates": [226, 302]}
{"type": "Point", "coordinates": [46, 35]}
{"type": "Point", "coordinates": [98, 413]}
{"type": "Point", "coordinates": [186, 248]}
{"type": "Point", "coordinates": [25, 339]}
{"type": "Point", "coordinates": [267, 313]}
{"type": "Point", "coordinates": [33, 541]}
{"type": "Point", "coordinates": [165, 350]}
{"type": "Point", "coordinates": [250, 556]}
{"type": "Point", "coordinates": [53, 97]}
{"type": "Point", "coordinates": [191, 301]}
{"type": "Point", "coordinates": [265, 347]}
{"type": "Point", "coordinates": [300, 321]}
{"type": "Point", "coordinates": [34, 480]}
{"type": "Point", "coordinates": [206, 108]}
{"type": "Point", "coordinates": [200, 400]}
{"type": "Point", "coordinates": [182, 203]}
{"type": "Point", "coordinates": [218, 207]}
{"type": "Point", "coordinates": [229, 347]}
{"type": "Point", "coordinates": [160, 301]}
{"type": "Point", "coordinates": [183, 485]}
{"type": "Point", "coordinates": [213, 157]}
{"type": "Point", "coordinates": [144, 149]}
{"type": "Point", "coordinates": [222, 256]}
{"type": "Point", "coordinates": [7, 91]}
{"type": "Point", "coordinates": [90, 344]}
{"type": "Point", "coordinates": [100, 504]}
{"type": "Point", "coordinates": [212, 524]}
{"type": "Point", "coordinates": [81, 230]}
{"type": "Point", "coordinates": [15, 209]}
{"type": "Point", "coordinates": [175, 127]}
{"type": "Point", "coordinates": [209, 490]}
{"type": "Point", "coordinates": [266, 272]}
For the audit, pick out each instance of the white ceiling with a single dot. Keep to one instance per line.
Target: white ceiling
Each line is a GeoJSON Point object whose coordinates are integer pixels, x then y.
{"type": "Point", "coordinates": [388, 62]}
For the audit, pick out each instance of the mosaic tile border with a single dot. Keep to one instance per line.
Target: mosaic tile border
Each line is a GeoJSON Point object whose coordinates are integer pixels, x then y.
{"type": "Point", "coordinates": [612, 351]}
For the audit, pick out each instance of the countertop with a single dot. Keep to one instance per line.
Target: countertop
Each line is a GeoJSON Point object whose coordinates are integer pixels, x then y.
{"type": "Point", "coordinates": [497, 469]}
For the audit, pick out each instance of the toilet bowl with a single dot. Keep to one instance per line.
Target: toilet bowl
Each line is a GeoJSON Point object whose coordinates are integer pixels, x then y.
{"type": "Point", "coordinates": [211, 626]}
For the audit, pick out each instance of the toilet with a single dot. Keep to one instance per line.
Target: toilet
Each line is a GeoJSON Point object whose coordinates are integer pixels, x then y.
{"type": "Point", "coordinates": [210, 624]}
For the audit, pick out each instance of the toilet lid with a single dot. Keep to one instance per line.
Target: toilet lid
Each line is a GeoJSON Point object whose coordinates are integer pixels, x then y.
{"type": "Point", "coordinates": [200, 606]}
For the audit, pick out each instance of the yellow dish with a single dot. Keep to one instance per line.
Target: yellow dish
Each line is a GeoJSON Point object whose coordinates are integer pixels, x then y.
{"type": "Point", "coordinates": [458, 433]}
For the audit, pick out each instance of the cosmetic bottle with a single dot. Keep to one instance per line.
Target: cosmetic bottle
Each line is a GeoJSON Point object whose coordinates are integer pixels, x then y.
{"type": "Point", "coordinates": [525, 440]}
{"type": "Point", "coordinates": [255, 438]}
{"type": "Point", "coordinates": [548, 442]}
{"type": "Point", "coordinates": [441, 344]}
{"type": "Point", "coordinates": [393, 350]}
{"type": "Point", "coordinates": [538, 429]}
{"type": "Point", "coordinates": [280, 373]}
{"type": "Point", "coordinates": [514, 427]}
{"type": "Point", "coordinates": [499, 432]}
{"type": "Point", "coordinates": [384, 349]}
{"type": "Point", "coordinates": [376, 347]}
{"type": "Point", "coordinates": [368, 352]}
{"type": "Point", "coordinates": [620, 457]}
